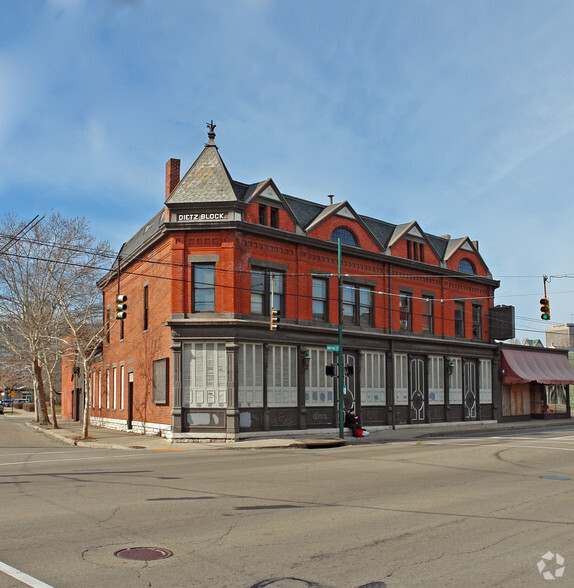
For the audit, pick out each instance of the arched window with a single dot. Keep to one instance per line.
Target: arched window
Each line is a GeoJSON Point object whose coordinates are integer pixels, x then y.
{"type": "Point", "coordinates": [466, 266]}
{"type": "Point", "coordinates": [345, 235]}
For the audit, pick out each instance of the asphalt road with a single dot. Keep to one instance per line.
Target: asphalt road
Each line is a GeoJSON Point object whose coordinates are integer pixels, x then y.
{"type": "Point", "coordinates": [474, 511]}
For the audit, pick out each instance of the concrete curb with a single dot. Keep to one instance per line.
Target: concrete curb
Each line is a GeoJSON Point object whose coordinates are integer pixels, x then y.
{"type": "Point", "coordinates": [108, 439]}
{"type": "Point", "coordinates": [55, 434]}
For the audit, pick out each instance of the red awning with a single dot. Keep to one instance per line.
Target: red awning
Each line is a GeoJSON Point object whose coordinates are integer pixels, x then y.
{"type": "Point", "coordinates": [536, 366]}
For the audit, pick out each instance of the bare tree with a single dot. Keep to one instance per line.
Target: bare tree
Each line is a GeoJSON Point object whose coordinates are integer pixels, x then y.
{"type": "Point", "coordinates": [86, 336]}
{"type": "Point", "coordinates": [44, 276]}
{"type": "Point", "coordinates": [50, 357]}
{"type": "Point", "coordinates": [79, 305]}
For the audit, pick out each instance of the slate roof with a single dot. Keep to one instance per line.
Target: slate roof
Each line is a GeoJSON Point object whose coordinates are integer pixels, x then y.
{"type": "Point", "coordinates": [304, 210]}
{"type": "Point", "coordinates": [209, 180]}
{"type": "Point", "coordinates": [148, 230]}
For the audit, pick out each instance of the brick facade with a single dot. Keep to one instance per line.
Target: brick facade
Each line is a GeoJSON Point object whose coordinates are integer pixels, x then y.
{"type": "Point", "coordinates": [229, 374]}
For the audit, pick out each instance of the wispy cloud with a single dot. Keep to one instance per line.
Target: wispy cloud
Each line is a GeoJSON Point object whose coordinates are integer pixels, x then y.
{"type": "Point", "coordinates": [458, 115]}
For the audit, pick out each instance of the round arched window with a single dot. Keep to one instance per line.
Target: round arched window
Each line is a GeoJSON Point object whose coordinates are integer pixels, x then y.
{"type": "Point", "coordinates": [345, 235]}
{"type": "Point", "coordinates": [466, 266]}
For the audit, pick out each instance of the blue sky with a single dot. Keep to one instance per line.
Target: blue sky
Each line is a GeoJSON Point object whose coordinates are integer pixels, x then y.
{"type": "Point", "coordinates": [457, 114]}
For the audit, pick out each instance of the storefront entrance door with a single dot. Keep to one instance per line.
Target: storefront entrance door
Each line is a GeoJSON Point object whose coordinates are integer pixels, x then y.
{"type": "Point", "coordinates": [417, 390]}
{"type": "Point", "coordinates": [469, 390]}
{"type": "Point", "coordinates": [350, 389]}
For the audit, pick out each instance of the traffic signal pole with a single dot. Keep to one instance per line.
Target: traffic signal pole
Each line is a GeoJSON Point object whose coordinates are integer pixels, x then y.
{"type": "Point", "coordinates": [340, 374]}
{"type": "Point", "coordinates": [545, 303]}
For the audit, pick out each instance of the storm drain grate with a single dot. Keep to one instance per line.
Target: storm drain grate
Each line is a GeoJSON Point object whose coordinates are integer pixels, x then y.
{"type": "Point", "coordinates": [144, 553]}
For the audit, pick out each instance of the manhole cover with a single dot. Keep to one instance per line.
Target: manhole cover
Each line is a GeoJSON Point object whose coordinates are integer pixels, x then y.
{"type": "Point", "coordinates": [144, 553]}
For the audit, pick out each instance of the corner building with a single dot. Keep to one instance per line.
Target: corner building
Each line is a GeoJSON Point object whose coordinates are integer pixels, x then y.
{"type": "Point", "coordinates": [196, 357]}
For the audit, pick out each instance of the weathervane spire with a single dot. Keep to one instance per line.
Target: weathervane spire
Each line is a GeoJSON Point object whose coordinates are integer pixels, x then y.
{"type": "Point", "coordinates": [211, 134]}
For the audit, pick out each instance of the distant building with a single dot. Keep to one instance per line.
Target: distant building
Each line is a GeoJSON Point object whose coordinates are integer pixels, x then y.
{"type": "Point", "coordinates": [562, 337]}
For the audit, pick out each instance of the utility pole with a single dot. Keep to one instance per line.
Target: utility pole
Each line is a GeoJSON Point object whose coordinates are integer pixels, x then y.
{"type": "Point", "coordinates": [340, 371]}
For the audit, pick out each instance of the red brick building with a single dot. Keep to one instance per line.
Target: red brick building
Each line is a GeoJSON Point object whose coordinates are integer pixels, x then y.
{"type": "Point", "coordinates": [196, 357]}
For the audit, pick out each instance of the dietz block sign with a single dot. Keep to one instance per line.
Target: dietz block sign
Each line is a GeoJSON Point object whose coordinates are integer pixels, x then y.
{"type": "Point", "coordinates": [202, 216]}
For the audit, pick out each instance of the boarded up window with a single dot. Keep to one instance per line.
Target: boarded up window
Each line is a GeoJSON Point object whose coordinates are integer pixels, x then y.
{"type": "Point", "coordinates": [160, 381]}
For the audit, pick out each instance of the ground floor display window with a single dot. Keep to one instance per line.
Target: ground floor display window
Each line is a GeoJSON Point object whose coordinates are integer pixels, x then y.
{"type": "Point", "coordinates": [373, 379]}
{"type": "Point", "coordinates": [250, 375]}
{"type": "Point", "coordinates": [204, 375]}
{"type": "Point", "coordinates": [455, 381]}
{"type": "Point", "coordinates": [556, 398]}
{"type": "Point", "coordinates": [401, 379]}
{"type": "Point", "coordinates": [318, 386]}
{"type": "Point", "coordinates": [436, 379]}
{"type": "Point", "coordinates": [281, 376]}
{"type": "Point", "coordinates": [485, 381]}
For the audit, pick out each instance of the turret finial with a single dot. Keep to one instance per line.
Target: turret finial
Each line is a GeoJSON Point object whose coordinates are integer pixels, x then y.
{"type": "Point", "coordinates": [211, 134]}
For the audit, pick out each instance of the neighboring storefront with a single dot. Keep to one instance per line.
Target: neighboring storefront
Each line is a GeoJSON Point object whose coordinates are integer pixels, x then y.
{"type": "Point", "coordinates": [535, 383]}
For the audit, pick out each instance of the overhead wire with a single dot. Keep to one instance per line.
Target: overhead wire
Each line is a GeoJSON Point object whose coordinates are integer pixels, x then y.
{"type": "Point", "coordinates": [172, 264]}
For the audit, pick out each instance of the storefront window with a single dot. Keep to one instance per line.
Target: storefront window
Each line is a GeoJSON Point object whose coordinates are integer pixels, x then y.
{"type": "Point", "coordinates": [556, 398]}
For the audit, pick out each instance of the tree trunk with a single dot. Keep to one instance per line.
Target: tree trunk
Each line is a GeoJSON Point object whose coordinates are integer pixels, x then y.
{"type": "Point", "coordinates": [52, 399]}
{"type": "Point", "coordinates": [42, 409]}
{"type": "Point", "coordinates": [53, 407]}
{"type": "Point", "coordinates": [86, 400]}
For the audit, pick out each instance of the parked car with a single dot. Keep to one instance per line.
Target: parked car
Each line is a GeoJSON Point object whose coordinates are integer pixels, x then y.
{"type": "Point", "coordinates": [7, 402]}
{"type": "Point", "coordinates": [1, 407]}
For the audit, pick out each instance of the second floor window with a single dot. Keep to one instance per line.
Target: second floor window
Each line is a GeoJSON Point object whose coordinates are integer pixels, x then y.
{"type": "Point", "coordinates": [320, 300]}
{"type": "Point", "coordinates": [145, 308]}
{"type": "Point", "coordinates": [428, 315]}
{"type": "Point", "coordinates": [357, 305]}
{"type": "Point", "coordinates": [263, 282]}
{"type": "Point", "coordinates": [203, 287]}
{"type": "Point", "coordinates": [476, 321]}
{"type": "Point", "coordinates": [459, 330]}
{"type": "Point", "coordinates": [406, 311]}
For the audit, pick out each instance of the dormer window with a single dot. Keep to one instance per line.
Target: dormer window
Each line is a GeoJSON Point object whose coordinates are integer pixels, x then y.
{"type": "Point", "coordinates": [415, 251]}
{"type": "Point", "coordinates": [345, 235]}
{"type": "Point", "coordinates": [274, 217]}
{"type": "Point", "coordinates": [466, 266]}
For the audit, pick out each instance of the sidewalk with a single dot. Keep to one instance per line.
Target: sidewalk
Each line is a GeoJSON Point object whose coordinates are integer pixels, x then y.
{"type": "Point", "coordinates": [70, 432]}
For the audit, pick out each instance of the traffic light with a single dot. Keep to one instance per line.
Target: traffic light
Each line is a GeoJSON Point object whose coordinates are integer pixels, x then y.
{"type": "Point", "coordinates": [331, 370]}
{"type": "Point", "coordinates": [349, 370]}
{"type": "Point", "coordinates": [121, 306]}
{"type": "Point", "coordinates": [274, 319]}
{"type": "Point", "coordinates": [545, 309]}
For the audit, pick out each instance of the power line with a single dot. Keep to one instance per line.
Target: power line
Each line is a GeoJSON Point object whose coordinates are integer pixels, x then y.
{"type": "Point", "coordinates": [175, 265]}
